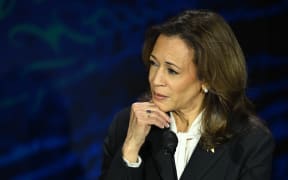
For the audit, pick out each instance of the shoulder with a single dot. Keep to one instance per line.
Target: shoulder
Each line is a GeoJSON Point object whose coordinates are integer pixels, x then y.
{"type": "Point", "coordinates": [123, 115]}
{"type": "Point", "coordinates": [252, 149]}
{"type": "Point", "coordinates": [257, 133]}
{"type": "Point", "coordinates": [120, 120]}
{"type": "Point", "coordinates": [118, 129]}
{"type": "Point", "coordinates": [248, 125]}
{"type": "Point", "coordinates": [252, 140]}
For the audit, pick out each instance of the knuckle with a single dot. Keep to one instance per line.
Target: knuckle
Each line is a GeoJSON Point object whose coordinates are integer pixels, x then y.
{"type": "Point", "coordinates": [134, 105]}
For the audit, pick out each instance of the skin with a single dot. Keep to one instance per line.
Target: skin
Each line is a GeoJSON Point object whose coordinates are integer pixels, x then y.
{"type": "Point", "coordinates": [175, 87]}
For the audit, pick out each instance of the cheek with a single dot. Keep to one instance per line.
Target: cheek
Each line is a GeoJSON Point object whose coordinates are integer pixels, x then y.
{"type": "Point", "coordinates": [151, 75]}
{"type": "Point", "coordinates": [188, 87]}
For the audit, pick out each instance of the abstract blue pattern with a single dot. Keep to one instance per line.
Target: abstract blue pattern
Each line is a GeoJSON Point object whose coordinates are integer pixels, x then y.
{"type": "Point", "coordinates": [68, 66]}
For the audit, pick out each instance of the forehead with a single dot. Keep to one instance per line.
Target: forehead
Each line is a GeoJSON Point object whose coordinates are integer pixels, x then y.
{"type": "Point", "coordinates": [172, 48]}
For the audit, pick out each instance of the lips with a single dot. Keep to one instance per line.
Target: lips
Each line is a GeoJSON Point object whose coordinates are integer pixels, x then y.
{"type": "Point", "coordinates": [158, 96]}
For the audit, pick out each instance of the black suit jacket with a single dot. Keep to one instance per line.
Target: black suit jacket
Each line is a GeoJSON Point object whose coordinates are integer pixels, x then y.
{"type": "Point", "coordinates": [247, 156]}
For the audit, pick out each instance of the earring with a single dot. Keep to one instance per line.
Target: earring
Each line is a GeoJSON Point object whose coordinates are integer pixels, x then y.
{"type": "Point", "coordinates": [205, 90]}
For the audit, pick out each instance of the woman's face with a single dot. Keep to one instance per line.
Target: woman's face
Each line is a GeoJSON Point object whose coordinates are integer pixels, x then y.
{"type": "Point", "coordinates": [173, 76]}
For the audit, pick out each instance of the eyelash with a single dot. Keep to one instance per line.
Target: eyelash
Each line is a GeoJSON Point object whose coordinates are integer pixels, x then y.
{"type": "Point", "coordinates": [170, 70]}
{"type": "Point", "coordinates": [152, 63]}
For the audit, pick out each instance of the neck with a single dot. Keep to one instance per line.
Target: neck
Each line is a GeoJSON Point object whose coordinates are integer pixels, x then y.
{"type": "Point", "coordinates": [184, 119]}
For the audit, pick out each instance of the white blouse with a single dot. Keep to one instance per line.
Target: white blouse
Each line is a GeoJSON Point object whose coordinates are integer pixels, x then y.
{"type": "Point", "coordinates": [187, 142]}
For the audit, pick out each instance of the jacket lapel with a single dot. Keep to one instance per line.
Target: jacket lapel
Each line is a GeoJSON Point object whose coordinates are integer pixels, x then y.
{"type": "Point", "coordinates": [201, 161]}
{"type": "Point", "coordinates": [163, 160]}
{"type": "Point", "coordinates": [165, 165]}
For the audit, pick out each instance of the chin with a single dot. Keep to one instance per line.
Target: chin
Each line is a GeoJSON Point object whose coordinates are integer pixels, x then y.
{"type": "Point", "coordinates": [163, 107]}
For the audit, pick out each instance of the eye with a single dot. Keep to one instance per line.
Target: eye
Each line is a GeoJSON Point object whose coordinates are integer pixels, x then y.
{"type": "Point", "coordinates": [173, 72]}
{"type": "Point", "coordinates": [152, 63]}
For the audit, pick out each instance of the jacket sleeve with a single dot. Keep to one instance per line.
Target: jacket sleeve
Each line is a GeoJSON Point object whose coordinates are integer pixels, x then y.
{"type": "Point", "coordinates": [258, 164]}
{"type": "Point", "coordinates": [113, 165]}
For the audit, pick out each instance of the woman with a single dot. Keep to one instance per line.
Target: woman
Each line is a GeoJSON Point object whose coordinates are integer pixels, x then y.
{"type": "Point", "coordinates": [197, 79]}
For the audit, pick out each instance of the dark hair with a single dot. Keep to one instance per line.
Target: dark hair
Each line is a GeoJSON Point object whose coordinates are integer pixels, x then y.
{"type": "Point", "coordinates": [220, 64]}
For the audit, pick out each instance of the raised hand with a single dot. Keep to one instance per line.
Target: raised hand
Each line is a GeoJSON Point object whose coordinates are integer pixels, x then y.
{"type": "Point", "coordinates": [142, 116]}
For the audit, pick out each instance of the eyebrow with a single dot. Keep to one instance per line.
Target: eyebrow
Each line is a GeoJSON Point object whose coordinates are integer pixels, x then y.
{"type": "Point", "coordinates": [166, 62]}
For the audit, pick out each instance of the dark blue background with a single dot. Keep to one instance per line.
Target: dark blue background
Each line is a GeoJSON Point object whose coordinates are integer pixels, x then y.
{"type": "Point", "coordinates": [68, 66]}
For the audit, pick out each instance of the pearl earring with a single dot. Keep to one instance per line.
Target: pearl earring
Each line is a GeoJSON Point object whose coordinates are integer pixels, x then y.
{"type": "Point", "coordinates": [205, 90]}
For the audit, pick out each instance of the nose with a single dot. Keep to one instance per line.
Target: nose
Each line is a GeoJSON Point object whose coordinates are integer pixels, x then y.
{"type": "Point", "coordinates": [158, 78]}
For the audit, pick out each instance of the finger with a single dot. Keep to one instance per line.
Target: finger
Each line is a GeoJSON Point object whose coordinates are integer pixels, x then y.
{"type": "Point", "coordinates": [153, 119]}
{"type": "Point", "coordinates": [149, 108]}
{"type": "Point", "coordinates": [156, 121]}
{"type": "Point", "coordinates": [155, 110]}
